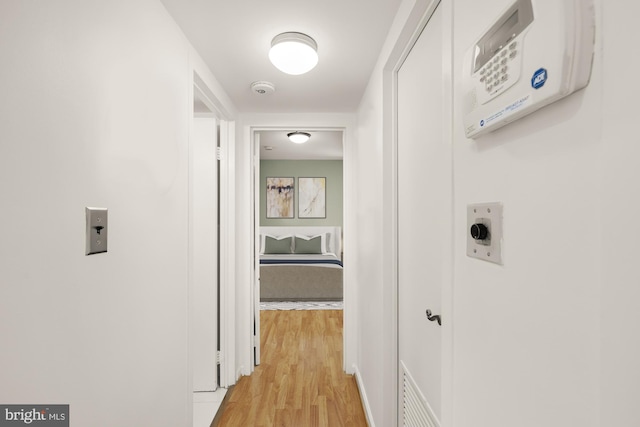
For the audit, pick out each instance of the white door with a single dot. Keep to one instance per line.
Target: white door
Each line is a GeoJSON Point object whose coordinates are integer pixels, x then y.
{"type": "Point", "coordinates": [204, 252]}
{"type": "Point", "coordinates": [424, 194]}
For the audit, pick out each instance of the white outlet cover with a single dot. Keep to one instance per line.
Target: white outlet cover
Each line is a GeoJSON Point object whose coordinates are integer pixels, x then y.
{"type": "Point", "coordinates": [489, 214]}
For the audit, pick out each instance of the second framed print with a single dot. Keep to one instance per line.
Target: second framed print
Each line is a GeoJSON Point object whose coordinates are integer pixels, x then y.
{"type": "Point", "coordinates": [312, 197]}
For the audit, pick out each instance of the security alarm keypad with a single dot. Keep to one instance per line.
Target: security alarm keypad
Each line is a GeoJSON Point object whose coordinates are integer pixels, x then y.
{"type": "Point", "coordinates": [535, 53]}
{"type": "Point", "coordinates": [502, 71]}
{"type": "Point", "coordinates": [497, 60]}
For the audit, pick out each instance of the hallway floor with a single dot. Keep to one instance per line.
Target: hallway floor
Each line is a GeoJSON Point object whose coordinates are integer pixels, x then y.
{"type": "Point", "coordinates": [300, 381]}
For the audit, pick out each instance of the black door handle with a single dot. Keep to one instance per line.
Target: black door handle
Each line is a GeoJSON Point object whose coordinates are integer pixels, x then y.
{"type": "Point", "coordinates": [434, 318]}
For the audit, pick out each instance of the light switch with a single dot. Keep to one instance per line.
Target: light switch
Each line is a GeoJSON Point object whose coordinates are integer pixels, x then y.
{"type": "Point", "coordinates": [97, 230]}
{"type": "Point", "coordinates": [484, 231]}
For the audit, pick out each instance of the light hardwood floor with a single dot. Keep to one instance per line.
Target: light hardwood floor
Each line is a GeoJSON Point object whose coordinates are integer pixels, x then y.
{"type": "Point", "coordinates": [300, 381]}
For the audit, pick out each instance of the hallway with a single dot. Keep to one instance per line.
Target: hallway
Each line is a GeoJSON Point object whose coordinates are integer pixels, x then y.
{"type": "Point", "coordinates": [300, 381]}
{"type": "Point", "coordinates": [98, 110]}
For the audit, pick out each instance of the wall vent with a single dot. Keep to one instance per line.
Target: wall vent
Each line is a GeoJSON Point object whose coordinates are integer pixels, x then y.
{"type": "Point", "coordinates": [416, 412]}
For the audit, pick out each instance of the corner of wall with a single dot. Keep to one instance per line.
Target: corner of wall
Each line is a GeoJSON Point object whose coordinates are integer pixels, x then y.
{"type": "Point", "coordinates": [363, 396]}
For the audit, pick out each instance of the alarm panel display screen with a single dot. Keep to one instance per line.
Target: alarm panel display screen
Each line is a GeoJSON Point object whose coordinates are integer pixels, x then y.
{"type": "Point", "coordinates": [512, 23]}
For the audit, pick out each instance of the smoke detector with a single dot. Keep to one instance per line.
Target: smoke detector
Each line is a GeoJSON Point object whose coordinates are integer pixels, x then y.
{"type": "Point", "coordinates": [263, 88]}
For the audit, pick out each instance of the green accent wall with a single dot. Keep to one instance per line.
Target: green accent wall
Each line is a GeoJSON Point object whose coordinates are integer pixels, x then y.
{"type": "Point", "coordinates": [331, 169]}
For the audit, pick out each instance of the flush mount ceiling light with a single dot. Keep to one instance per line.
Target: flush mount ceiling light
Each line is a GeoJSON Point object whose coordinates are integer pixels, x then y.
{"type": "Point", "coordinates": [299, 137]}
{"type": "Point", "coordinates": [293, 53]}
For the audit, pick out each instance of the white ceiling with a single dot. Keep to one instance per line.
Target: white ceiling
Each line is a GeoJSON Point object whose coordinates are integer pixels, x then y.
{"type": "Point", "coordinates": [234, 36]}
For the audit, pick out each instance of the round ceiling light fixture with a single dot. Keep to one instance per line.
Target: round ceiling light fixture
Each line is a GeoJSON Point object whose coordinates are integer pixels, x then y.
{"type": "Point", "coordinates": [293, 53]}
{"type": "Point", "coordinates": [299, 137]}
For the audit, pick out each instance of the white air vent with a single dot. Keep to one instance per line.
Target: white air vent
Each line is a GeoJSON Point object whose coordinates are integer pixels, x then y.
{"type": "Point", "coordinates": [416, 412]}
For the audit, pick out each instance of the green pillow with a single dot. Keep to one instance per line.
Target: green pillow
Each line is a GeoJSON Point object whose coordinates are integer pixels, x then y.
{"type": "Point", "coordinates": [277, 246]}
{"type": "Point", "coordinates": [311, 246]}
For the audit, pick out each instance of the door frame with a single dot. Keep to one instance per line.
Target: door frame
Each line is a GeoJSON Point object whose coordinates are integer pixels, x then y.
{"type": "Point", "coordinates": [345, 124]}
{"type": "Point", "coordinates": [206, 86]}
{"type": "Point", "coordinates": [415, 23]}
{"type": "Point", "coordinates": [204, 238]}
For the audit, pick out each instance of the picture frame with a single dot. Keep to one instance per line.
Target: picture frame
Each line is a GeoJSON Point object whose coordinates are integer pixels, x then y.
{"type": "Point", "coordinates": [280, 197]}
{"type": "Point", "coordinates": [312, 196]}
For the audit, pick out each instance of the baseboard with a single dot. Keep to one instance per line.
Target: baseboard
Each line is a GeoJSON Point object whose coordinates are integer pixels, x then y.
{"type": "Point", "coordinates": [363, 397]}
{"type": "Point", "coordinates": [223, 405]}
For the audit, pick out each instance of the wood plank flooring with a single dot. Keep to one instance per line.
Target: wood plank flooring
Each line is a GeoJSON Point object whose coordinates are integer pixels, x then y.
{"type": "Point", "coordinates": [300, 381]}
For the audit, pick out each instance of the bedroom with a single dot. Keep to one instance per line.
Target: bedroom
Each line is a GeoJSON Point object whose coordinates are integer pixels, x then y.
{"type": "Point", "coordinates": [300, 219]}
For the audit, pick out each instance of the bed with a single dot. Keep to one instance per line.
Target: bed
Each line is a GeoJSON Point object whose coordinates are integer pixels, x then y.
{"type": "Point", "coordinates": [300, 264]}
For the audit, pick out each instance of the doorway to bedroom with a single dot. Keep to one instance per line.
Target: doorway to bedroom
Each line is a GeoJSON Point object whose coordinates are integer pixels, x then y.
{"type": "Point", "coordinates": [299, 198]}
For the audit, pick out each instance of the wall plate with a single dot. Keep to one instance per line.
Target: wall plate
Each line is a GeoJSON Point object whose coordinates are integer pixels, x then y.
{"type": "Point", "coordinates": [488, 217]}
{"type": "Point", "coordinates": [97, 230]}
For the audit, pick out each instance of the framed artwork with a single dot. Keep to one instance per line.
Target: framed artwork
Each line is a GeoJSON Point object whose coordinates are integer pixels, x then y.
{"type": "Point", "coordinates": [280, 195]}
{"type": "Point", "coordinates": [312, 196]}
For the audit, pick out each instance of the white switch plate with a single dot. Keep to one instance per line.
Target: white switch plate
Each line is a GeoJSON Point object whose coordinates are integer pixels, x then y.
{"type": "Point", "coordinates": [97, 230]}
{"type": "Point", "coordinates": [490, 215]}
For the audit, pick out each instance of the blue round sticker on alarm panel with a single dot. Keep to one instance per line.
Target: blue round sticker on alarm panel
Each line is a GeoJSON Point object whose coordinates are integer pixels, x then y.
{"type": "Point", "coordinates": [539, 78]}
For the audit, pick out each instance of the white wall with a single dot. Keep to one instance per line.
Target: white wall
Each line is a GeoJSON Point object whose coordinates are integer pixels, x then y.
{"type": "Point", "coordinates": [617, 197]}
{"type": "Point", "coordinates": [551, 337]}
{"type": "Point", "coordinates": [95, 112]}
{"type": "Point", "coordinates": [369, 259]}
{"type": "Point", "coordinates": [377, 300]}
{"type": "Point", "coordinates": [373, 370]}
{"type": "Point", "coordinates": [526, 335]}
